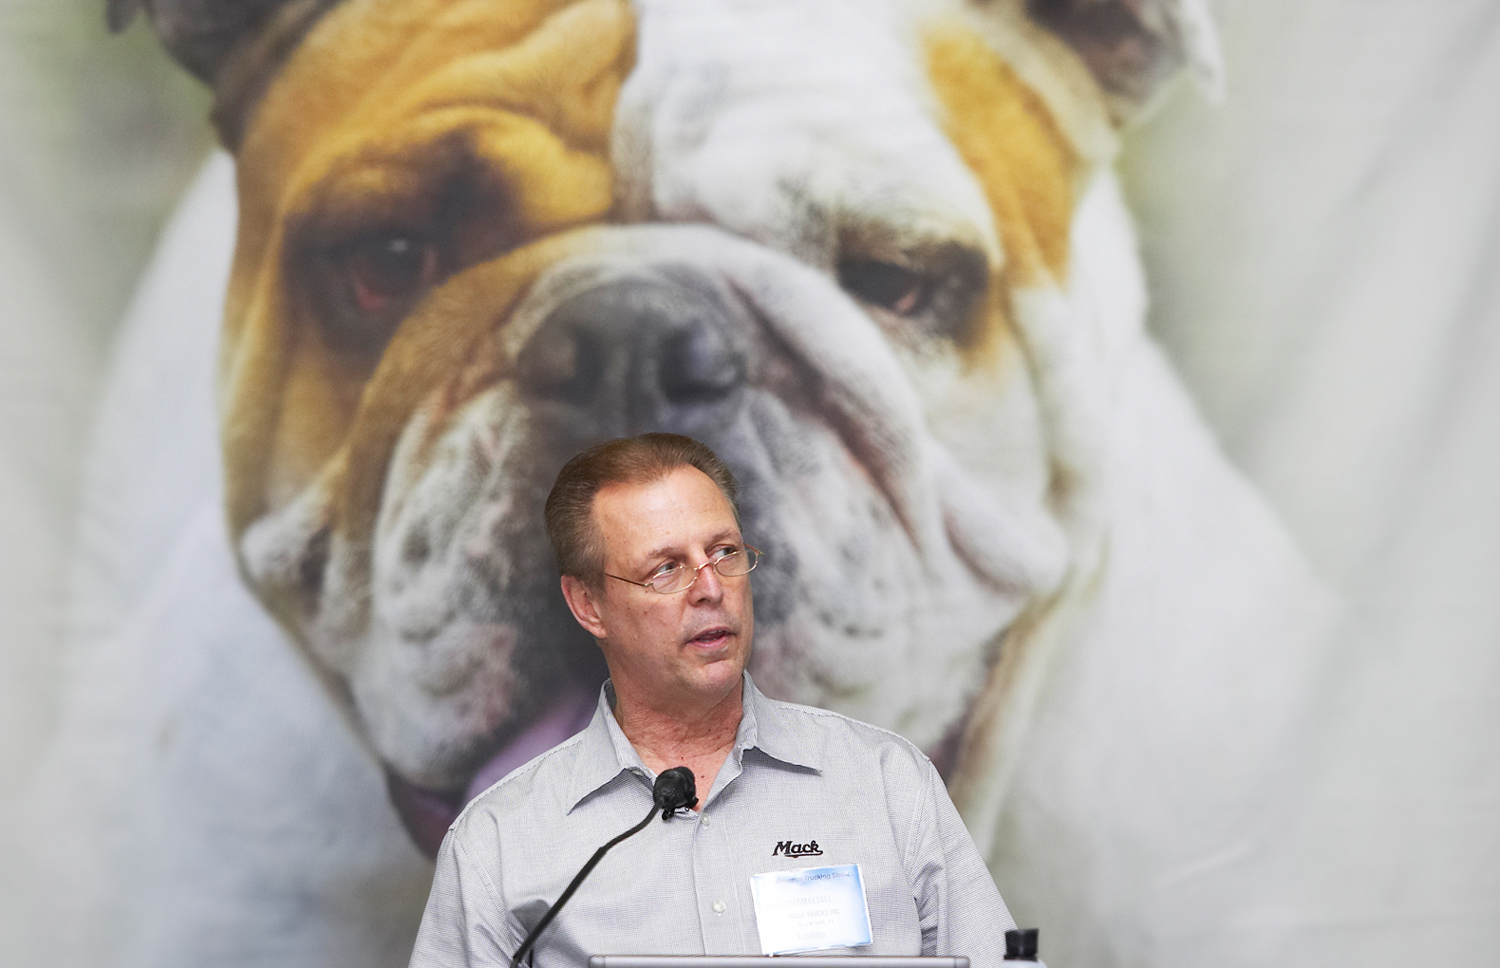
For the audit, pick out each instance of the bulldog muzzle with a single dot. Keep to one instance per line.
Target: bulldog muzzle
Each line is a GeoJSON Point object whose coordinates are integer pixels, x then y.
{"type": "Point", "coordinates": [655, 348]}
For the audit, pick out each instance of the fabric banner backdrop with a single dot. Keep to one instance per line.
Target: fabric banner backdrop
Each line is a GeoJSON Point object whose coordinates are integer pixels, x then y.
{"type": "Point", "coordinates": [1114, 386]}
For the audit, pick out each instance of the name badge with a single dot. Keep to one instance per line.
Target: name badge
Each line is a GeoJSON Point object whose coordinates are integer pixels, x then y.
{"type": "Point", "coordinates": [811, 908]}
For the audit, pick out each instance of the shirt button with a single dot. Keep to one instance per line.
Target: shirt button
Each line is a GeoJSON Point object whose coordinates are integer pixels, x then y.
{"type": "Point", "coordinates": [720, 907]}
{"type": "Point", "coordinates": [704, 820]}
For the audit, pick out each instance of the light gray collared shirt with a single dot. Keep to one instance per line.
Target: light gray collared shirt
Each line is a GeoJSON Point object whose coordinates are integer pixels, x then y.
{"type": "Point", "coordinates": [796, 776]}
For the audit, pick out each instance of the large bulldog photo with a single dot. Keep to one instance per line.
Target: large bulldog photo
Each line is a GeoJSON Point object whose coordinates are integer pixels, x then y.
{"type": "Point", "coordinates": [872, 252]}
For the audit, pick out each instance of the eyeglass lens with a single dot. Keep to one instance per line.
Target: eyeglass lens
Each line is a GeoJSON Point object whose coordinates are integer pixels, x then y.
{"type": "Point", "coordinates": [732, 565]}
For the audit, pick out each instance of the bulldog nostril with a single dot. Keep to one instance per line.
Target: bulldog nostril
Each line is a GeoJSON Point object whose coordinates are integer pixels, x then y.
{"type": "Point", "coordinates": [697, 363]}
{"type": "Point", "coordinates": [565, 362]}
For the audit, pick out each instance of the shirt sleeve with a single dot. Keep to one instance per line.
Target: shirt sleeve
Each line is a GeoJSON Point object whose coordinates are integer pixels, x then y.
{"type": "Point", "coordinates": [958, 905]}
{"type": "Point", "coordinates": [465, 922]}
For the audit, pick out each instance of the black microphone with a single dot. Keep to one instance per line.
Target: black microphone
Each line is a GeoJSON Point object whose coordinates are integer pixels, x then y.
{"type": "Point", "coordinates": [674, 790]}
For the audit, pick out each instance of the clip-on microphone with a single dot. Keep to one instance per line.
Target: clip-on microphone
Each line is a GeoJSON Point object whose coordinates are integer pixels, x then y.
{"type": "Point", "coordinates": [674, 790]}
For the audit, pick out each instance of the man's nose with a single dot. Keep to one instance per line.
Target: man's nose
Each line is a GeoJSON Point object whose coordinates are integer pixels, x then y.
{"type": "Point", "coordinates": [658, 349]}
{"type": "Point", "coordinates": [709, 584]}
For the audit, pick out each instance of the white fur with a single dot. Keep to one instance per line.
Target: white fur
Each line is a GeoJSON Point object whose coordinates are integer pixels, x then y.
{"type": "Point", "coordinates": [202, 801]}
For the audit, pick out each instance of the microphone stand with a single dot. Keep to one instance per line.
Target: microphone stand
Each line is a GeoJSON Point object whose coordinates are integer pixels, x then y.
{"type": "Point", "coordinates": [674, 790]}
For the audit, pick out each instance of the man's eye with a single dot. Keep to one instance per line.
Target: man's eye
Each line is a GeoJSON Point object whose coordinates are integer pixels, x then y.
{"type": "Point", "coordinates": [665, 569]}
{"type": "Point", "coordinates": [724, 552]}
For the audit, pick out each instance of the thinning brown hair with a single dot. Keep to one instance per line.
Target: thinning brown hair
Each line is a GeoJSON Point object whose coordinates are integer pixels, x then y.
{"type": "Point", "coordinates": [576, 540]}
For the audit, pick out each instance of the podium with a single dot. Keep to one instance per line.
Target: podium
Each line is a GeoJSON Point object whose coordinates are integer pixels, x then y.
{"type": "Point", "coordinates": [769, 961]}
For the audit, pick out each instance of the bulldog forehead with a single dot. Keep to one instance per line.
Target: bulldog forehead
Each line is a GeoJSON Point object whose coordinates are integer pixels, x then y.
{"type": "Point", "coordinates": [374, 71]}
{"type": "Point", "coordinates": [791, 122]}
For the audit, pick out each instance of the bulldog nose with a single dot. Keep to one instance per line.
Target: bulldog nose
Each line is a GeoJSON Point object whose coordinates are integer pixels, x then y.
{"type": "Point", "coordinates": [639, 352]}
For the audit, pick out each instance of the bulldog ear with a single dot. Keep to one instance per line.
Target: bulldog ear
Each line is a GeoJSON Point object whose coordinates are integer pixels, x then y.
{"type": "Point", "coordinates": [1134, 46]}
{"type": "Point", "coordinates": [200, 34]}
{"type": "Point", "coordinates": [119, 13]}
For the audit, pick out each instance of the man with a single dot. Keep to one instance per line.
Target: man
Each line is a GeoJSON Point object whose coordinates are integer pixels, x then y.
{"type": "Point", "coordinates": [653, 565]}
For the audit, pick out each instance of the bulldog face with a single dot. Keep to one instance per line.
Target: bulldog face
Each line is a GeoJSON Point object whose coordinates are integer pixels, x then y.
{"type": "Point", "coordinates": [477, 237]}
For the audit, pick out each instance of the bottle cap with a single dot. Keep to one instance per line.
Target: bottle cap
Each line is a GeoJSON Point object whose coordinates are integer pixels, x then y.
{"type": "Point", "coordinates": [1020, 944]}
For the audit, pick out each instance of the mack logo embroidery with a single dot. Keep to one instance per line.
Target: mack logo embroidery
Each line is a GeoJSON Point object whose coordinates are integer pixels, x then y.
{"type": "Point", "coordinates": [788, 849]}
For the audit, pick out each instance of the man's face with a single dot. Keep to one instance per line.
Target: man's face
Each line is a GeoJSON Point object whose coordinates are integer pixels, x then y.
{"type": "Point", "coordinates": [678, 650]}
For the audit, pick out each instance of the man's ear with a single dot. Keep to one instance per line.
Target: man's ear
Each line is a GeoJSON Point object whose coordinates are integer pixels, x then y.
{"type": "Point", "coordinates": [1133, 47]}
{"type": "Point", "coordinates": [581, 603]}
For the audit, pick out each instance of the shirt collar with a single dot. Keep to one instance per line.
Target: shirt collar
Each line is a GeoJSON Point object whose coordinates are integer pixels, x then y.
{"type": "Point", "coordinates": [604, 753]}
{"type": "Point", "coordinates": [764, 726]}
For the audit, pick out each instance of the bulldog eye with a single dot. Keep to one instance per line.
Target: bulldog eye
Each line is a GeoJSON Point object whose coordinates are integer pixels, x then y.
{"type": "Point", "coordinates": [892, 287]}
{"type": "Point", "coordinates": [388, 270]}
{"type": "Point", "coordinates": [932, 291]}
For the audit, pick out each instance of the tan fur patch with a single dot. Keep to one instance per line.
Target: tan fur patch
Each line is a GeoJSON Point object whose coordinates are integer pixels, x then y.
{"type": "Point", "coordinates": [1023, 161]}
{"type": "Point", "coordinates": [438, 349]}
{"type": "Point", "coordinates": [350, 136]}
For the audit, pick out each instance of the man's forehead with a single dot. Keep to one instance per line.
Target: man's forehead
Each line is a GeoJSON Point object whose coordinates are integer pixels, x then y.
{"type": "Point", "coordinates": [646, 517]}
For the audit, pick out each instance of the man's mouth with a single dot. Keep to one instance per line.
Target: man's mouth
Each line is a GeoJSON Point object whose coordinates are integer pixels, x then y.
{"type": "Point", "coordinates": [711, 638]}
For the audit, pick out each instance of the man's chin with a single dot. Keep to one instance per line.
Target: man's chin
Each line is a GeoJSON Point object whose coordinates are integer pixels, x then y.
{"type": "Point", "coordinates": [427, 814]}
{"type": "Point", "coordinates": [720, 677]}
